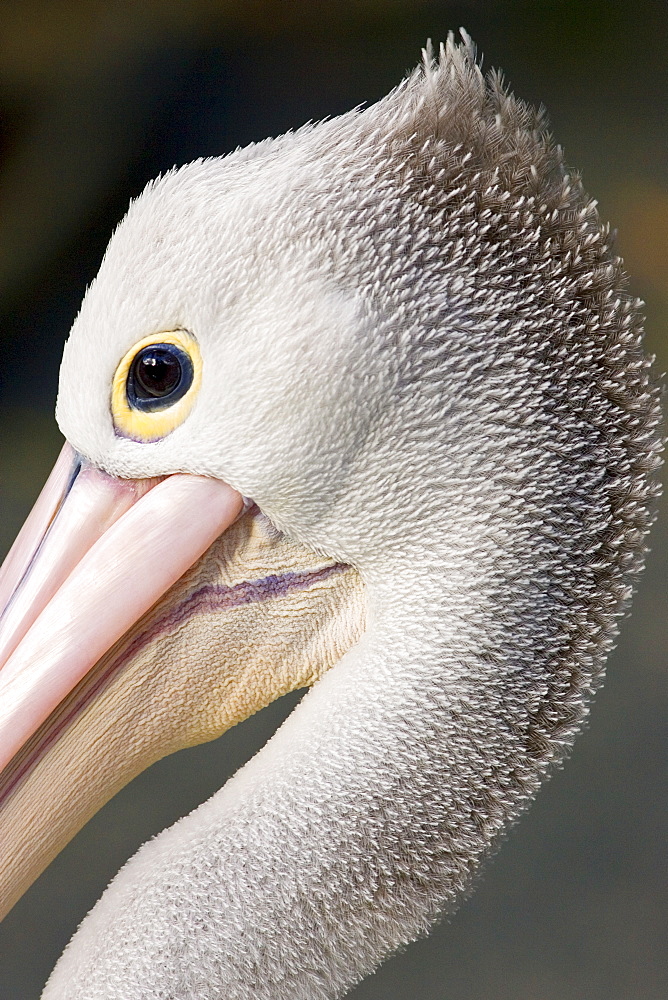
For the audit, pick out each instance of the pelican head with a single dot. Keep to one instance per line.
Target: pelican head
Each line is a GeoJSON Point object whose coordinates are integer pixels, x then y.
{"type": "Point", "coordinates": [363, 408]}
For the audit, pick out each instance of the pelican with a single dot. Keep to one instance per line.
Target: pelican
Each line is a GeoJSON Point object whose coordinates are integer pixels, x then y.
{"type": "Point", "coordinates": [363, 409]}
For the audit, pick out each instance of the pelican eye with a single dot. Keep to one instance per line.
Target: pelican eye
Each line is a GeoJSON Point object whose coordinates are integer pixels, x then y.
{"type": "Point", "coordinates": [159, 376]}
{"type": "Point", "coordinates": [155, 385]}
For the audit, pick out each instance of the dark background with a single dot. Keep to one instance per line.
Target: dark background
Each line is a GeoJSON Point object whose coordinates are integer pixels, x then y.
{"type": "Point", "coordinates": [98, 97]}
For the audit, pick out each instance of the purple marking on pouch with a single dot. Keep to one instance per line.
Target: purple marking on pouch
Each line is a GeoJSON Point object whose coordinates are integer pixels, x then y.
{"type": "Point", "coordinates": [209, 598]}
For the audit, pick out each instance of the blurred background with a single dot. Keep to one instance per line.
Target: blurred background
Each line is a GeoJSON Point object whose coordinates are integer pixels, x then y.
{"type": "Point", "coordinates": [97, 97]}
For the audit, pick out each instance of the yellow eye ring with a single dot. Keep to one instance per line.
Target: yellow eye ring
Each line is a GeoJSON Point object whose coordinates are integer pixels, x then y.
{"type": "Point", "coordinates": [155, 385]}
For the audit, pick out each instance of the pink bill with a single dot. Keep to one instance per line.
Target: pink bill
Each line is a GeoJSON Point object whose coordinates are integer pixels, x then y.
{"type": "Point", "coordinates": [108, 554]}
{"type": "Point", "coordinates": [83, 502]}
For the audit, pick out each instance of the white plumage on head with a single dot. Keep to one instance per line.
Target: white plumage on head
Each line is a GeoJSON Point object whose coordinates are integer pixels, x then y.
{"type": "Point", "coordinates": [420, 358]}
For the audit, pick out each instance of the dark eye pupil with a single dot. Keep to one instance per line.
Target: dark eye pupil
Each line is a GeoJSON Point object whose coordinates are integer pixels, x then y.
{"type": "Point", "coordinates": [157, 371]}
{"type": "Point", "coordinates": [159, 375]}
